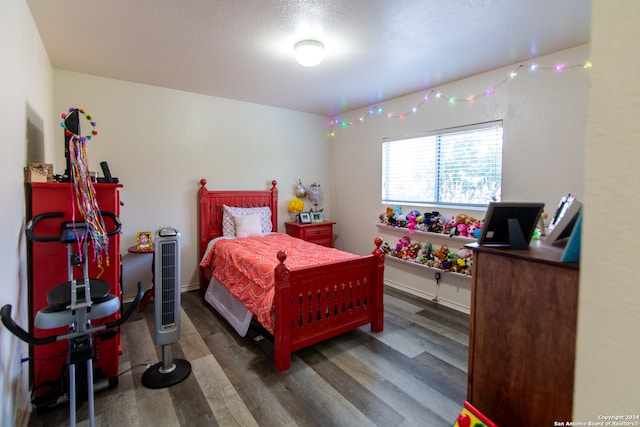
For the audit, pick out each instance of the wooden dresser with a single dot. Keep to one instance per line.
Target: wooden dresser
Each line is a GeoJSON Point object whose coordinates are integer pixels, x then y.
{"type": "Point", "coordinates": [522, 335]}
{"type": "Point", "coordinates": [320, 233]}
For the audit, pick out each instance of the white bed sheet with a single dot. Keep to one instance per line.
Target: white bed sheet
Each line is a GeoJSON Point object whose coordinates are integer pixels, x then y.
{"type": "Point", "coordinates": [229, 307]}
{"type": "Point", "coordinates": [224, 302]}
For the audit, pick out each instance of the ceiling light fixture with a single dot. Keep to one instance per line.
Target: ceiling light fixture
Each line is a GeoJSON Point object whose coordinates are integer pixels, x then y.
{"type": "Point", "coordinates": [309, 52]}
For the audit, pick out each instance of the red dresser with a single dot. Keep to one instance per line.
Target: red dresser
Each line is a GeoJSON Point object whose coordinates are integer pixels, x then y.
{"type": "Point", "coordinates": [48, 267]}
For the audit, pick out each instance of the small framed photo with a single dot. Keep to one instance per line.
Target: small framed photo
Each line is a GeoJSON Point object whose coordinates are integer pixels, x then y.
{"type": "Point", "coordinates": [305, 218]}
{"type": "Point", "coordinates": [317, 217]}
{"type": "Point", "coordinates": [144, 242]}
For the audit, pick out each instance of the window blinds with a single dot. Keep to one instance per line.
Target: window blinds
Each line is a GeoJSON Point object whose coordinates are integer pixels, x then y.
{"type": "Point", "coordinates": [456, 166]}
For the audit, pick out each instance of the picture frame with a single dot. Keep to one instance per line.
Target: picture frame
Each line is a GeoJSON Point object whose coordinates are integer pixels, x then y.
{"type": "Point", "coordinates": [305, 218]}
{"type": "Point", "coordinates": [317, 217]}
{"type": "Point", "coordinates": [144, 241]}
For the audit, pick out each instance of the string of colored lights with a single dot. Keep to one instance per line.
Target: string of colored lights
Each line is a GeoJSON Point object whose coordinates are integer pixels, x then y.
{"type": "Point", "coordinates": [377, 110]}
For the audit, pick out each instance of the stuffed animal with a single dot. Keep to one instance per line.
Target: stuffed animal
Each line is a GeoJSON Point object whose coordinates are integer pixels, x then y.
{"type": "Point", "coordinates": [403, 243]}
{"type": "Point", "coordinates": [477, 229]}
{"type": "Point", "coordinates": [412, 251]}
{"type": "Point", "coordinates": [472, 228]}
{"type": "Point", "coordinates": [431, 220]}
{"type": "Point", "coordinates": [390, 216]}
{"type": "Point", "coordinates": [450, 226]}
{"type": "Point", "coordinates": [441, 253]}
{"type": "Point", "coordinates": [461, 218]}
{"type": "Point", "coordinates": [463, 261]}
{"type": "Point", "coordinates": [427, 249]}
{"type": "Point", "coordinates": [411, 218]}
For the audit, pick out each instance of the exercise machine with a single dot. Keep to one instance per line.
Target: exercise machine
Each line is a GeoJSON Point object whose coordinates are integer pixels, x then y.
{"type": "Point", "coordinates": [76, 303]}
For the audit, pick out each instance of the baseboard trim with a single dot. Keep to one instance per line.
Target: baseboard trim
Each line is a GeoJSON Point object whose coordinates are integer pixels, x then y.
{"type": "Point", "coordinates": [425, 295]}
{"type": "Point", "coordinates": [129, 298]}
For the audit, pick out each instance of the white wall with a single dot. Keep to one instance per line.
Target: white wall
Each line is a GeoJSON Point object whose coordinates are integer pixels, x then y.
{"type": "Point", "coordinates": [544, 117]}
{"type": "Point", "coordinates": [161, 142]}
{"type": "Point", "coordinates": [26, 121]}
{"type": "Point", "coordinates": [608, 345]}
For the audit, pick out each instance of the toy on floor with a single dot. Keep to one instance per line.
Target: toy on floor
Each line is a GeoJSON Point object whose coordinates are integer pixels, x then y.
{"type": "Point", "coordinates": [471, 417]}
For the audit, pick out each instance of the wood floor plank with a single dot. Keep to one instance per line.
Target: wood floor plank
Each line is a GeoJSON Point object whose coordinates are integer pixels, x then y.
{"type": "Point", "coordinates": [248, 373]}
{"type": "Point", "coordinates": [407, 374]}
{"type": "Point", "coordinates": [242, 361]}
{"type": "Point", "coordinates": [311, 401]}
{"type": "Point", "coordinates": [413, 339]}
{"type": "Point", "coordinates": [371, 406]}
{"type": "Point", "coordinates": [245, 365]}
{"type": "Point", "coordinates": [406, 394]}
{"type": "Point", "coordinates": [227, 406]}
{"type": "Point", "coordinates": [413, 412]}
{"type": "Point", "coordinates": [191, 343]}
{"type": "Point", "coordinates": [411, 374]}
{"type": "Point", "coordinates": [441, 320]}
{"type": "Point", "coordinates": [153, 406]}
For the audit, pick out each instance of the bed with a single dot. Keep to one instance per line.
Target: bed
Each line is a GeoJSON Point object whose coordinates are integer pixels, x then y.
{"type": "Point", "coordinates": [309, 303]}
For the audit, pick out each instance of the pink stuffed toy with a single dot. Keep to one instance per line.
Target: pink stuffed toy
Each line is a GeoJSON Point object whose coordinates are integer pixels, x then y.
{"type": "Point", "coordinates": [462, 230]}
{"type": "Point", "coordinates": [411, 217]}
{"type": "Point", "coordinates": [404, 242]}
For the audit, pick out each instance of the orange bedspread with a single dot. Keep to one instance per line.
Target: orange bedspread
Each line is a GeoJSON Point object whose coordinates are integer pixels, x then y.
{"type": "Point", "coordinates": [246, 266]}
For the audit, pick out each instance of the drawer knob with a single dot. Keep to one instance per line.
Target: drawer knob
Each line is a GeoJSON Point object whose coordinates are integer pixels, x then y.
{"type": "Point", "coordinates": [317, 231]}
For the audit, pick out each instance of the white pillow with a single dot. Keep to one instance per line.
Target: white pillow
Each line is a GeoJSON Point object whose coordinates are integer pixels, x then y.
{"type": "Point", "coordinates": [248, 225]}
{"type": "Point", "coordinates": [229, 212]}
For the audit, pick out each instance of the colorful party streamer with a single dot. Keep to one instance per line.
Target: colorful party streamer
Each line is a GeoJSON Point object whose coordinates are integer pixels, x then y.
{"type": "Point", "coordinates": [84, 192]}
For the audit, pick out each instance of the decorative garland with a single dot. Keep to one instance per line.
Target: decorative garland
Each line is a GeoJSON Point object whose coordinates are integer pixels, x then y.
{"type": "Point", "coordinates": [67, 132]}
{"type": "Point", "coordinates": [84, 191]}
{"type": "Point", "coordinates": [377, 110]}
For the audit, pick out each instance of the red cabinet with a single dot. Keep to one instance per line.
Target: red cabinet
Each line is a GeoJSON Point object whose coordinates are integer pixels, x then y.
{"type": "Point", "coordinates": [48, 267]}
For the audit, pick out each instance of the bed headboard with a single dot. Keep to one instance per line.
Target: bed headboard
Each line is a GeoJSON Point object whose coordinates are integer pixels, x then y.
{"type": "Point", "coordinates": [210, 220]}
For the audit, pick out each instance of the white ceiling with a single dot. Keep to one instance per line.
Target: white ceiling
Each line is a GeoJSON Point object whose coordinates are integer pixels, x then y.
{"type": "Point", "coordinates": [243, 49]}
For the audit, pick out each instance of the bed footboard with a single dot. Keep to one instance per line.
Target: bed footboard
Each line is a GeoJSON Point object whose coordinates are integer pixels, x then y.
{"type": "Point", "coordinates": [321, 302]}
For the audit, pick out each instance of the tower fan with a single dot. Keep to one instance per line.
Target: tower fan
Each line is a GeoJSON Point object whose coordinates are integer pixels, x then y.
{"type": "Point", "coordinates": [167, 311]}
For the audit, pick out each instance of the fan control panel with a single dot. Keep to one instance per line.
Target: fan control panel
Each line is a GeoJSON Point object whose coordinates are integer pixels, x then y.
{"type": "Point", "coordinates": [167, 232]}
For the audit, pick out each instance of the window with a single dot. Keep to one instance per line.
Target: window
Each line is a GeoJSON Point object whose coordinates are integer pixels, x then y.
{"type": "Point", "coordinates": [459, 166]}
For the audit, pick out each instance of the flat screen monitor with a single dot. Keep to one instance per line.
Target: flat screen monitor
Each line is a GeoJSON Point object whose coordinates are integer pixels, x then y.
{"type": "Point", "coordinates": [510, 224]}
{"type": "Point", "coordinates": [563, 221]}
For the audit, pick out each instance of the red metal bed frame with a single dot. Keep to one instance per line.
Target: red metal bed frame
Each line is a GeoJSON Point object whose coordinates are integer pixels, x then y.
{"type": "Point", "coordinates": [314, 303]}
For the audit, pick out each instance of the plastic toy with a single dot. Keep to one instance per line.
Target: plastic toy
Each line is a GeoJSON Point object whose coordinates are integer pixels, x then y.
{"type": "Point", "coordinates": [471, 417]}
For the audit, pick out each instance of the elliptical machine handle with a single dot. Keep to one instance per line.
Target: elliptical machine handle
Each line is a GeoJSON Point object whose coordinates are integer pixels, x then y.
{"type": "Point", "coordinates": [31, 225]}
{"type": "Point", "coordinates": [21, 333]}
{"type": "Point", "coordinates": [115, 220]}
{"type": "Point", "coordinates": [130, 310]}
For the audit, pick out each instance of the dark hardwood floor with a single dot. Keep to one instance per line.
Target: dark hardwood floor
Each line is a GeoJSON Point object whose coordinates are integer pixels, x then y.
{"type": "Point", "coordinates": [412, 374]}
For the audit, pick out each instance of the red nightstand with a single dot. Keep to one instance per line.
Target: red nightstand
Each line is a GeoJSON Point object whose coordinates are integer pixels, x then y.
{"type": "Point", "coordinates": [320, 233]}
